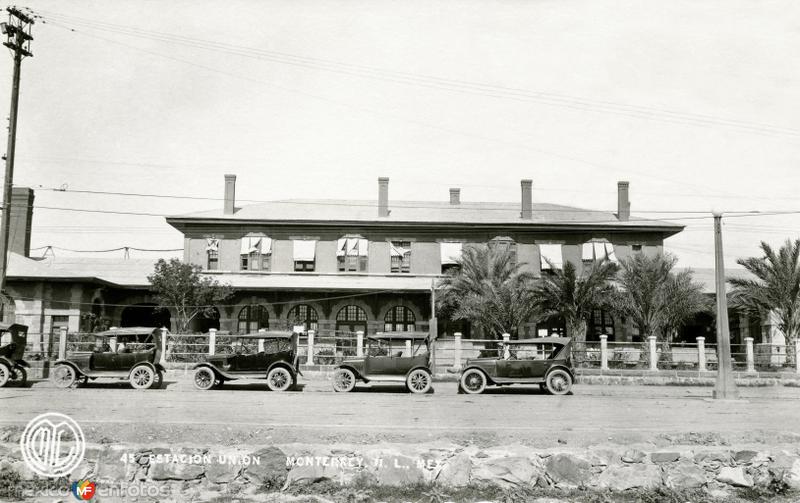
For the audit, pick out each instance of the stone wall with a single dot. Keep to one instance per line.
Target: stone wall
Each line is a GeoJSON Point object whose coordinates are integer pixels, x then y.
{"type": "Point", "coordinates": [192, 472]}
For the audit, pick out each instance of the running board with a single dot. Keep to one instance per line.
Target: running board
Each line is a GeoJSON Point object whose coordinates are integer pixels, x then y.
{"type": "Point", "coordinates": [108, 375]}
{"type": "Point", "coordinates": [384, 378]}
{"type": "Point", "coordinates": [518, 380]}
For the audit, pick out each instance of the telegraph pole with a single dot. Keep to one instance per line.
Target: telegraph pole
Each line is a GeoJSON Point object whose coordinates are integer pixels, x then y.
{"type": "Point", "coordinates": [18, 33]}
{"type": "Point", "coordinates": [725, 387]}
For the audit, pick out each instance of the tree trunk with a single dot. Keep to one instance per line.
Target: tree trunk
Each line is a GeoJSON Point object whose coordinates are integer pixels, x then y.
{"type": "Point", "coordinates": [645, 357]}
{"type": "Point", "coordinates": [791, 347]}
{"type": "Point", "coordinates": [576, 329]}
{"type": "Point", "coordinates": [666, 346]}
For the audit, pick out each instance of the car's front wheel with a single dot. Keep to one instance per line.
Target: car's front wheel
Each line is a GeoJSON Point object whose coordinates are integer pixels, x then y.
{"type": "Point", "coordinates": [473, 381]}
{"type": "Point", "coordinates": [204, 378]}
{"type": "Point", "coordinates": [142, 377]}
{"type": "Point", "coordinates": [279, 379]}
{"type": "Point", "coordinates": [344, 380]}
{"type": "Point", "coordinates": [558, 382]}
{"type": "Point", "coordinates": [20, 376]}
{"type": "Point", "coordinates": [5, 374]}
{"type": "Point", "coordinates": [419, 381]}
{"type": "Point", "coordinates": [64, 376]}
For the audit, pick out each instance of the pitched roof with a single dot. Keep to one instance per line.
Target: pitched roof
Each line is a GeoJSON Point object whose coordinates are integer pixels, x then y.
{"type": "Point", "coordinates": [365, 211]}
{"type": "Point", "coordinates": [119, 272]}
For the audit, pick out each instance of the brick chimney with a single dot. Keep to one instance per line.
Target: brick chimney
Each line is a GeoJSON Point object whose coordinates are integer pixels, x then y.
{"type": "Point", "coordinates": [230, 195]}
{"type": "Point", "coordinates": [527, 199]}
{"type": "Point", "coordinates": [455, 196]}
{"type": "Point", "coordinates": [19, 235]}
{"type": "Point", "coordinates": [623, 202]}
{"type": "Point", "coordinates": [383, 196]}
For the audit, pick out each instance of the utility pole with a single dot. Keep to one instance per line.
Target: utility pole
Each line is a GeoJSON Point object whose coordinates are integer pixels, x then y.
{"type": "Point", "coordinates": [18, 33]}
{"type": "Point", "coordinates": [725, 387]}
{"type": "Point", "coordinates": [432, 328]}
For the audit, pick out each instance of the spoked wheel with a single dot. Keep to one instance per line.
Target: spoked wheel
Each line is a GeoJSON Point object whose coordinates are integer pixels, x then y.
{"type": "Point", "coordinates": [142, 377]}
{"type": "Point", "coordinates": [558, 382]}
{"type": "Point", "coordinates": [473, 381]}
{"type": "Point", "coordinates": [419, 381]}
{"type": "Point", "coordinates": [344, 380]}
{"type": "Point", "coordinates": [64, 376]}
{"type": "Point", "coordinates": [5, 374]}
{"type": "Point", "coordinates": [279, 379]}
{"type": "Point", "coordinates": [204, 378]}
{"type": "Point", "coordinates": [20, 376]}
{"type": "Point", "coordinates": [159, 380]}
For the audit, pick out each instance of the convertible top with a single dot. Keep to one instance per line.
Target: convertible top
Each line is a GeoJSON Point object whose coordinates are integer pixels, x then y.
{"type": "Point", "coordinates": [127, 331]}
{"type": "Point", "coordinates": [13, 327]}
{"type": "Point", "coordinates": [269, 334]}
{"type": "Point", "coordinates": [414, 336]}
{"type": "Point", "coordinates": [543, 340]}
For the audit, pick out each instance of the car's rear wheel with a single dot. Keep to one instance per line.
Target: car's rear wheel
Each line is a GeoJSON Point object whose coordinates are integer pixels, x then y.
{"type": "Point", "coordinates": [419, 381]}
{"type": "Point", "coordinates": [142, 377]}
{"type": "Point", "coordinates": [20, 376]}
{"type": "Point", "coordinates": [279, 379]}
{"type": "Point", "coordinates": [5, 374]}
{"type": "Point", "coordinates": [204, 378]}
{"type": "Point", "coordinates": [558, 382]}
{"type": "Point", "coordinates": [159, 380]}
{"type": "Point", "coordinates": [473, 381]}
{"type": "Point", "coordinates": [344, 380]}
{"type": "Point", "coordinates": [64, 376]}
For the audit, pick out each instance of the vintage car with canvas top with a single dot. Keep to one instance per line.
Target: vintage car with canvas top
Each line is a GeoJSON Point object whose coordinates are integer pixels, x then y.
{"type": "Point", "coordinates": [545, 361]}
{"type": "Point", "coordinates": [13, 338]}
{"type": "Point", "coordinates": [270, 355]}
{"type": "Point", "coordinates": [131, 353]}
{"type": "Point", "coordinates": [391, 357]}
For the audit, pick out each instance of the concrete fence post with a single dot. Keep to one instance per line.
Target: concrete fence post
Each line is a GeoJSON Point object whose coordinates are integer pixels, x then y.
{"type": "Point", "coordinates": [457, 351]}
{"type": "Point", "coordinates": [603, 352]}
{"type": "Point", "coordinates": [261, 341]}
{"type": "Point", "coordinates": [212, 341]}
{"type": "Point", "coordinates": [310, 354]}
{"type": "Point", "coordinates": [651, 343]}
{"type": "Point", "coordinates": [360, 343]}
{"type": "Point", "coordinates": [797, 356]}
{"type": "Point", "coordinates": [408, 347]}
{"type": "Point", "coordinates": [164, 333]}
{"type": "Point", "coordinates": [62, 343]}
{"type": "Point", "coordinates": [751, 367]}
{"type": "Point", "coordinates": [701, 354]}
{"type": "Point", "coordinates": [506, 348]}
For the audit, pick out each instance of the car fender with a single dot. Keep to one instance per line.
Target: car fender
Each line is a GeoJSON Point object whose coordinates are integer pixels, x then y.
{"type": "Point", "coordinates": [353, 370]}
{"type": "Point", "coordinates": [489, 379]}
{"type": "Point", "coordinates": [217, 372]}
{"type": "Point", "coordinates": [562, 367]}
{"type": "Point", "coordinates": [139, 364]}
{"type": "Point", "coordinates": [160, 368]}
{"type": "Point", "coordinates": [283, 364]}
{"type": "Point", "coordinates": [8, 363]}
{"type": "Point", "coordinates": [77, 369]}
{"type": "Point", "coordinates": [423, 367]}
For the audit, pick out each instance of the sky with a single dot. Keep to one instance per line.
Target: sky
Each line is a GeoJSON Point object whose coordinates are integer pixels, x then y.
{"type": "Point", "coordinates": [694, 102]}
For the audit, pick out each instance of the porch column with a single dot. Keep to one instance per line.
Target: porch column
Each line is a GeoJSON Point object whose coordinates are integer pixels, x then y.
{"type": "Point", "coordinates": [748, 342]}
{"type": "Point", "coordinates": [360, 343]}
{"type": "Point", "coordinates": [164, 333]}
{"type": "Point", "coordinates": [603, 352]}
{"type": "Point", "coordinates": [701, 354]}
{"type": "Point", "coordinates": [457, 351]}
{"type": "Point", "coordinates": [408, 347]}
{"type": "Point", "coordinates": [310, 354]}
{"type": "Point", "coordinates": [212, 341]}
{"type": "Point", "coordinates": [261, 341]}
{"type": "Point", "coordinates": [651, 343]}
{"type": "Point", "coordinates": [506, 349]}
{"type": "Point", "coordinates": [797, 356]}
{"type": "Point", "coordinates": [62, 343]}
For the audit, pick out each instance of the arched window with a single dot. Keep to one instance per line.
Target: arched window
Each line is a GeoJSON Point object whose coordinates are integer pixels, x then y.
{"type": "Point", "coordinates": [351, 319]}
{"type": "Point", "coordinates": [399, 319]}
{"type": "Point", "coordinates": [304, 315]}
{"type": "Point", "coordinates": [252, 318]}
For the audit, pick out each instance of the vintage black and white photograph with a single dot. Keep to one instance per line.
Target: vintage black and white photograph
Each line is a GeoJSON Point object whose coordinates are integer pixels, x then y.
{"type": "Point", "coordinates": [351, 251]}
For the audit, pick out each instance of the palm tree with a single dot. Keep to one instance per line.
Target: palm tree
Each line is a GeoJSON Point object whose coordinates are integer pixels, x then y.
{"type": "Point", "coordinates": [573, 297]}
{"type": "Point", "coordinates": [489, 290]}
{"type": "Point", "coordinates": [657, 300]}
{"type": "Point", "coordinates": [776, 288]}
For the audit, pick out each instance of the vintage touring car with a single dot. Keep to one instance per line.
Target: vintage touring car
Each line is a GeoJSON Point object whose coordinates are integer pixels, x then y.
{"type": "Point", "coordinates": [391, 357]}
{"type": "Point", "coordinates": [544, 361]}
{"type": "Point", "coordinates": [131, 353]}
{"type": "Point", "coordinates": [12, 366]}
{"type": "Point", "coordinates": [271, 355]}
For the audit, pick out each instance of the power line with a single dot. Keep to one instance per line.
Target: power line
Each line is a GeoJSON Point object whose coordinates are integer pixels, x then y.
{"type": "Point", "coordinates": [364, 71]}
{"type": "Point", "coordinates": [682, 183]}
{"type": "Point", "coordinates": [121, 248]}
